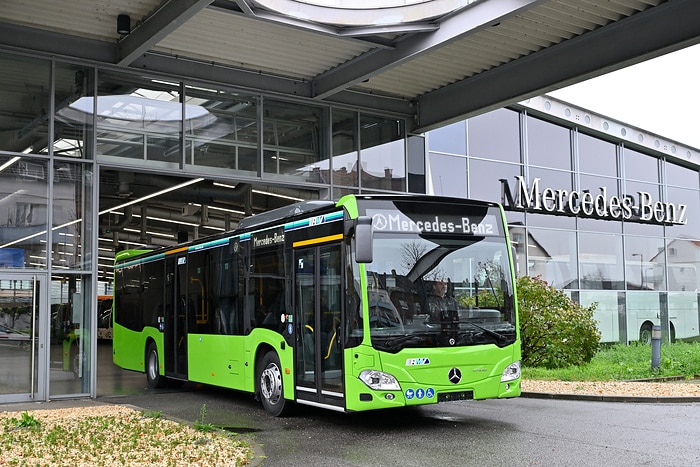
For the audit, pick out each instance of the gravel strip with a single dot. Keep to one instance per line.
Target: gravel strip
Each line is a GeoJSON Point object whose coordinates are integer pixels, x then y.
{"type": "Point", "coordinates": [689, 388]}
{"type": "Point", "coordinates": [108, 435]}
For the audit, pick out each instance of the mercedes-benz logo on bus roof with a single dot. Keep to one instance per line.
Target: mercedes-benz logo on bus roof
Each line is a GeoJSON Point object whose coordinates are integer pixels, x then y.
{"type": "Point", "coordinates": [455, 376]}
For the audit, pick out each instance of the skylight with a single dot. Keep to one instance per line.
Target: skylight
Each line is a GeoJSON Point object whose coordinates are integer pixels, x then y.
{"type": "Point", "coordinates": [364, 12]}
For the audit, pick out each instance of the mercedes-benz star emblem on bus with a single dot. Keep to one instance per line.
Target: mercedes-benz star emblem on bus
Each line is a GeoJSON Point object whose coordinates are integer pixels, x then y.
{"type": "Point", "coordinates": [455, 376]}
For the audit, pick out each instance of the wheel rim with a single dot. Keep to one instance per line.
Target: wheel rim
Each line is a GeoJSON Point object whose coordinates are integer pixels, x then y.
{"type": "Point", "coordinates": [645, 336]}
{"type": "Point", "coordinates": [271, 384]}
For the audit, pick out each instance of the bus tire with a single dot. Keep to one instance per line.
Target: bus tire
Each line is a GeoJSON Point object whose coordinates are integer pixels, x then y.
{"type": "Point", "coordinates": [153, 376]}
{"type": "Point", "coordinates": [645, 334]}
{"type": "Point", "coordinates": [271, 386]}
{"type": "Point", "coordinates": [673, 333]}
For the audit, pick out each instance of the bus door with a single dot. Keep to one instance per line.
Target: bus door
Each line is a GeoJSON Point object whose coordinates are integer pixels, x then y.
{"type": "Point", "coordinates": [318, 306]}
{"type": "Point", "coordinates": [176, 318]}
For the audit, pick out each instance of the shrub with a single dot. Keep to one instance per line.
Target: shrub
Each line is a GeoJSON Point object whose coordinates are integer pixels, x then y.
{"type": "Point", "coordinates": [555, 331]}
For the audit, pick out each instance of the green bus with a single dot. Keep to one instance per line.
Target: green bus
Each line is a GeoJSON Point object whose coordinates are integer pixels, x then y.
{"type": "Point", "coordinates": [370, 302]}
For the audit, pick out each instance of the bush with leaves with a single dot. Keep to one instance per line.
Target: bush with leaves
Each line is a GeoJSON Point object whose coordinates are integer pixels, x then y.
{"type": "Point", "coordinates": [555, 331]}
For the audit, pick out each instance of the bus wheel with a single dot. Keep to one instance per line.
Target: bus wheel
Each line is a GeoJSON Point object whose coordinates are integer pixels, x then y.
{"type": "Point", "coordinates": [645, 334]}
{"type": "Point", "coordinates": [271, 391]}
{"type": "Point", "coordinates": [155, 379]}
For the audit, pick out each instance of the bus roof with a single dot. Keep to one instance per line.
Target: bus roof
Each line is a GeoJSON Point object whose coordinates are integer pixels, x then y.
{"type": "Point", "coordinates": [283, 212]}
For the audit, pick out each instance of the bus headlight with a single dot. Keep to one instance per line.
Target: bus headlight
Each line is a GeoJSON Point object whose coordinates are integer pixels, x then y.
{"type": "Point", "coordinates": [380, 381]}
{"type": "Point", "coordinates": [511, 372]}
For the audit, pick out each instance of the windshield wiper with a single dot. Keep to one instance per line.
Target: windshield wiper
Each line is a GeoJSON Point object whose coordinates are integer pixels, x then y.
{"type": "Point", "coordinates": [491, 333]}
{"type": "Point", "coordinates": [493, 291]}
{"type": "Point", "coordinates": [395, 343]}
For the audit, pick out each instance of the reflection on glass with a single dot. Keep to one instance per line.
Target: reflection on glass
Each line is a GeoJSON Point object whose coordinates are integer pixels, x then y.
{"type": "Point", "coordinates": [291, 142]}
{"type": "Point", "coordinates": [643, 312]}
{"type": "Point", "coordinates": [19, 335]}
{"type": "Point", "coordinates": [447, 175]}
{"type": "Point", "coordinates": [596, 156]}
{"type": "Point", "coordinates": [23, 119]}
{"type": "Point", "coordinates": [416, 164]}
{"type": "Point", "coordinates": [691, 199]}
{"type": "Point", "coordinates": [548, 145]}
{"type": "Point", "coordinates": [683, 314]}
{"type": "Point", "coordinates": [640, 166]}
{"type": "Point", "coordinates": [451, 139]}
{"type": "Point", "coordinates": [599, 225]}
{"type": "Point", "coordinates": [683, 264]}
{"type": "Point", "coordinates": [226, 135]}
{"type": "Point", "coordinates": [345, 148]}
{"type": "Point", "coordinates": [72, 129]}
{"type": "Point", "coordinates": [72, 199]}
{"type": "Point", "coordinates": [339, 192]}
{"type": "Point", "coordinates": [71, 305]}
{"type": "Point", "coordinates": [495, 135]}
{"type": "Point", "coordinates": [601, 261]}
{"type": "Point", "coordinates": [138, 118]}
{"type": "Point", "coordinates": [556, 179]}
{"type": "Point", "coordinates": [484, 178]}
{"type": "Point", "coordinates": [645, 263]}
{"type": "Point", "coordinates": [594, 183]}
{"type": "Point", "coordinates": [383, 154]}
{"type": "Point", "coordinates": [606, 313]}
{"type": "Point", "coordinates": [552, 255]}
{"type": "Point", "coordinates": [681, 176]}
{"type": "Point", "coordinates": [24, 200]}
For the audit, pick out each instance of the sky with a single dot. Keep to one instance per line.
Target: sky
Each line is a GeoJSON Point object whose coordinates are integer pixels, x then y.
{"type": "Point", "coordinates": [661, 96]}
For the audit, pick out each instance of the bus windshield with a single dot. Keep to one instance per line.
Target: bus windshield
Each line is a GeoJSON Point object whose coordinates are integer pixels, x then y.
{"type": "Point", "coordinates": [440, 289]}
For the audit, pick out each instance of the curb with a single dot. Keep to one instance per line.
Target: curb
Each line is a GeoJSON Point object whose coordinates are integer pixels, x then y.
{"type": "Point", "coordinates": [604, 398]}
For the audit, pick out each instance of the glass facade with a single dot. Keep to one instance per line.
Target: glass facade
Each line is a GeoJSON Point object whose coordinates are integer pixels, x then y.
{"type": "Point", "coordinates": [640, 269]}
{"type": "Point", "coordinates": [67, 122]}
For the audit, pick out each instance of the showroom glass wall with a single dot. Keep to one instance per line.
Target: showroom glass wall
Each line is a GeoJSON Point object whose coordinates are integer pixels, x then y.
{"type": "Point", "coordinates": [60, 122]}
{"type": "Point", "coordinates": [639, 274]}
{"type": "Point", "coordinates": [46, 241]}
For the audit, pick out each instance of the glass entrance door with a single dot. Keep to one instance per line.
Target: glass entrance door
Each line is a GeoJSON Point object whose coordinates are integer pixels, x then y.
{"type": "Point", "coordinates": [21, 348]}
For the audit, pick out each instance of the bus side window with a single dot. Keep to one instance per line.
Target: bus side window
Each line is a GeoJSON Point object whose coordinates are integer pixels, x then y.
{"type": "Point", "coordinates": [249, 304]}
{"type": "Point", "coordinates": [223, 292]}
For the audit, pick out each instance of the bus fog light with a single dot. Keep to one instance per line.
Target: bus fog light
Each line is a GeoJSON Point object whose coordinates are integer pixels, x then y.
{"type": "Point", "coordinates": [389, 396]}
{"type": "Point", "coordinates": [379, 381]}
{"type": "Point", "coordinates": [512, 372]}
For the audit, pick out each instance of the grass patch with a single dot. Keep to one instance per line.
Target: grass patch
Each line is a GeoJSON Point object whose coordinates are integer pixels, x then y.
{"type": "Point", "coordinates": [628, 362]}
{"type": "Point", "coordinates": [111, 435]}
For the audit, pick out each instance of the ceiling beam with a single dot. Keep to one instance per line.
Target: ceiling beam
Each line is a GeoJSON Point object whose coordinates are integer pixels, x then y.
{"type": "Point", "coordinates": [264, 83]}
{"type": "Point", "coordinates": [471, 19]}
{"type": "Point", "coordinates": [156, 27]}
{"type": "Point", "coordinates": [56, 44]}
{"type": "Point", "coordinates": [659, 30]}
{"type": "Point", "coordinates": [98, 52]}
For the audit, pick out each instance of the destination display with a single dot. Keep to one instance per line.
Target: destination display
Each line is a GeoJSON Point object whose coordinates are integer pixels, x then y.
{"type": "Point", "coordinates": [395, 221]}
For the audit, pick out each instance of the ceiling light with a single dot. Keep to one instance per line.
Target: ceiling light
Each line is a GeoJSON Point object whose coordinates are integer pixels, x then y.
{"type": "Point", "coordinates": [123, 24]}
{"type": "Point", "coordinates": [9, 163]}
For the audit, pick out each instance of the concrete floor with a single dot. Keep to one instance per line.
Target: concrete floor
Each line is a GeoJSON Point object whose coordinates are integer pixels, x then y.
{"type": "Point", "coordinates": [114, 381]}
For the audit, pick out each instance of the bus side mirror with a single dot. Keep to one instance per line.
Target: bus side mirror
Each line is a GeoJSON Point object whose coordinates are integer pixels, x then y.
{"type": "Point", "coordinates": [363, 238]}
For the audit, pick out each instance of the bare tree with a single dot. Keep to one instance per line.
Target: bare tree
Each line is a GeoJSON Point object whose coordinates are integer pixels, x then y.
{"type": "Point", "coordinates": [411, 253]}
